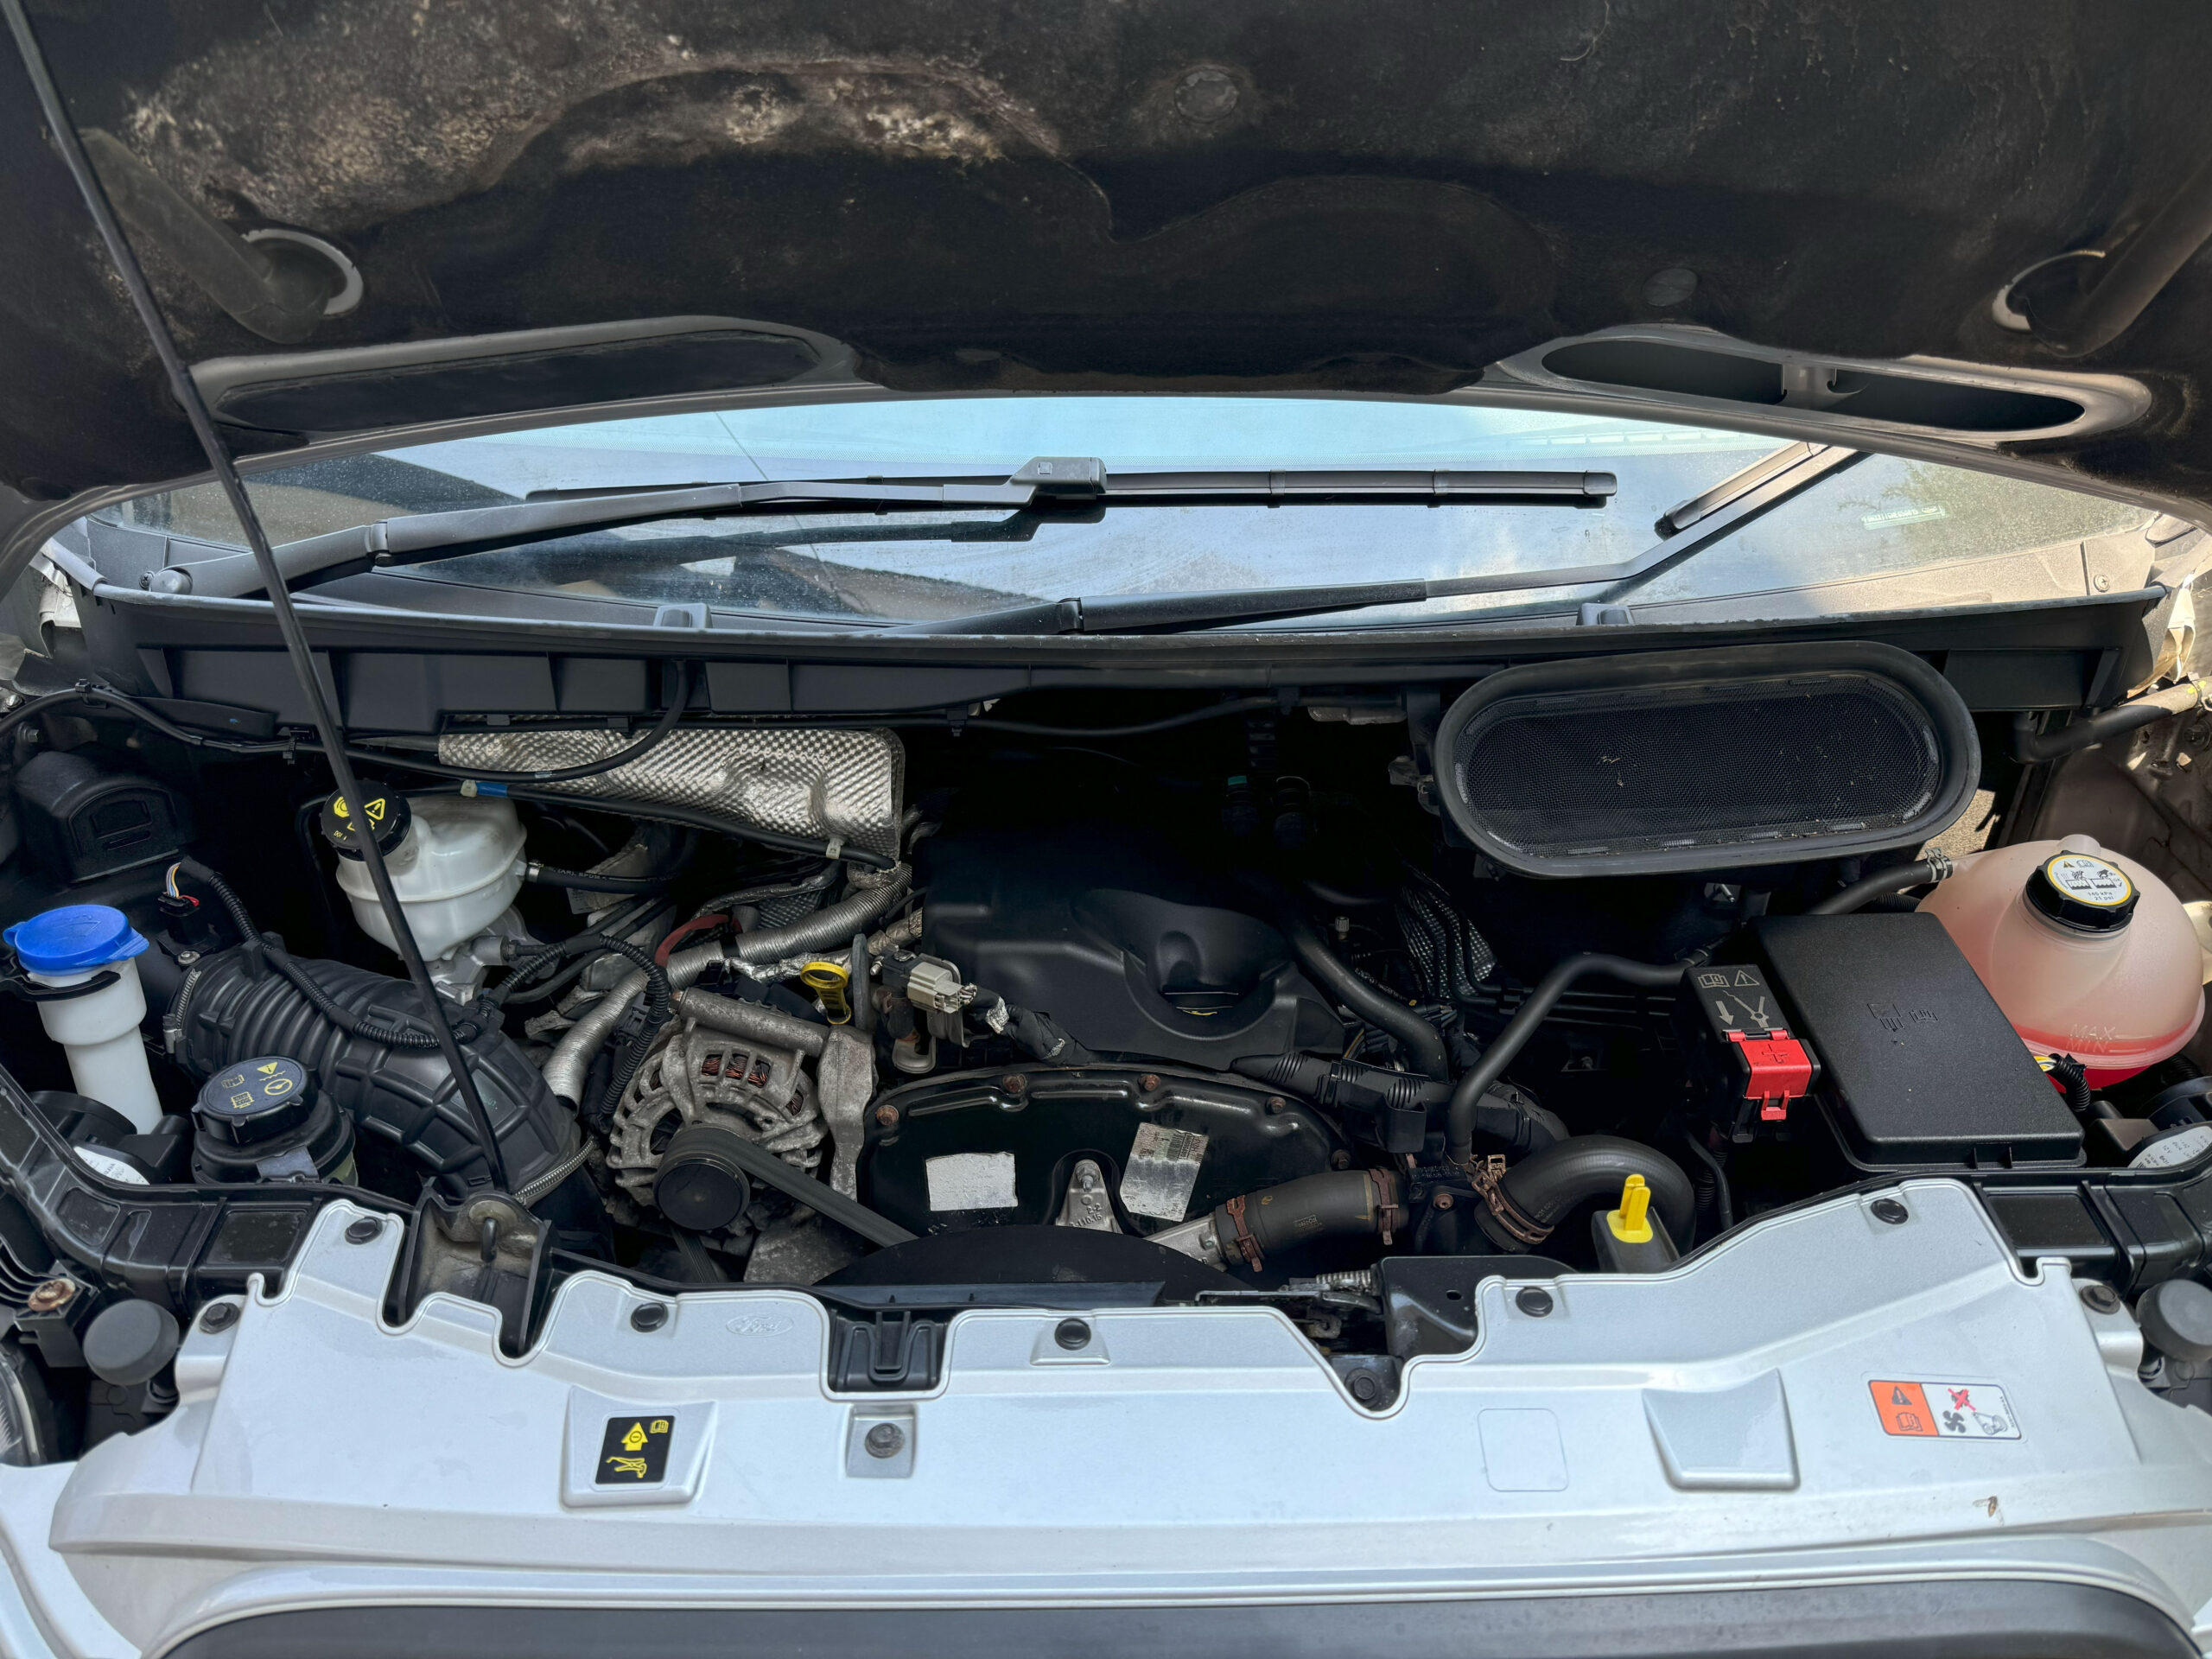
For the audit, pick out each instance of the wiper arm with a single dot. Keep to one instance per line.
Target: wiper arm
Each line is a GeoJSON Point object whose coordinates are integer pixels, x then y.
{"type": "Point", "coordinates": [1723, 510]}
{"type": "Point", "coordinates": [1046, 483]}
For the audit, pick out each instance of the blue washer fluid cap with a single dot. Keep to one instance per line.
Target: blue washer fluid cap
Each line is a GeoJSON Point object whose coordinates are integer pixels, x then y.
{"type": "Point", "coordinates": [75, 937]}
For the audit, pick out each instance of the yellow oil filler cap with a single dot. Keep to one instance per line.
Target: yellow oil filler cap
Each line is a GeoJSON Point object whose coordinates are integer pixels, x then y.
{"type": "Point", "coordinates": [1631, 1223]}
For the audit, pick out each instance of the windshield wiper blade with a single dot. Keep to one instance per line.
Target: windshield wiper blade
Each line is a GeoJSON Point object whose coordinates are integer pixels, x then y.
{"type": "Point", "coordinates": [1751, 494]}
{"type": "Point", "coordinates": [1045, 484]}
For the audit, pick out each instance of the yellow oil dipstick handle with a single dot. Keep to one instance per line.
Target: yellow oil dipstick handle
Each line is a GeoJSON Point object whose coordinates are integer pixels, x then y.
{"type": "Point", "coordinates": [827, 979]}
{"type": "Point", "coordinates": [1631, 1223]}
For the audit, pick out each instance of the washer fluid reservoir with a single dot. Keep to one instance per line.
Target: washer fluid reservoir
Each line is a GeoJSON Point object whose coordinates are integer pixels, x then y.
{"type": "Point", "coordinates": [2085, 952]}
{"type": "Point", "coordinates": [455, 862]}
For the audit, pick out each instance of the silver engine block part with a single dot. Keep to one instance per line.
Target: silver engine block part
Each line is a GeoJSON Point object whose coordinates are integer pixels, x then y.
{"type": "Point", "coordinates": [826, 785]}
{"type": "Point", "coordinates": [695, 1074]}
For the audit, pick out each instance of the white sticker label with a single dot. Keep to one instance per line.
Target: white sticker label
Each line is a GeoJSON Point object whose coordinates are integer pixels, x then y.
{"type": "Point", "coordinates": [1919, 1407]}
{"type": "Point", "coordinates": [2089, 880]}
{"type": "Point", "coordinates": [1163, 1169]}
{"type": "Point", "coordinates": [2175, 1148]}
{"type": "Point", "coordinates": [110, 1166]}
{"type": "Point", "coordinates": [972, 1180]}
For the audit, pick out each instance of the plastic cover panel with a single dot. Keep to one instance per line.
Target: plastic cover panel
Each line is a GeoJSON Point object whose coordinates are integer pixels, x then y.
{"type": "Point", "coordinates": [1688, 761]}
{"type": "Point", "coordinates": [824, 784]}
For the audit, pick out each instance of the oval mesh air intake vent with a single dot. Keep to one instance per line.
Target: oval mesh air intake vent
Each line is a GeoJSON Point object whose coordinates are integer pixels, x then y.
{"type": "Point", "coordinates": [1699, 760]}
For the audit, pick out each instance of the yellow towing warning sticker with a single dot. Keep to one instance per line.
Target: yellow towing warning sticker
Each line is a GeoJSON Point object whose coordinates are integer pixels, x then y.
{"type": "Point", "coordinates": [1944, 1411]}
{"type": "Point", "coordinates": [634, 1450]}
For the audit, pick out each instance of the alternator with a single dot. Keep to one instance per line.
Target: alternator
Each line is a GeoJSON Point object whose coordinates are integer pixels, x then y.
{"type": "Point", "coordinates": [697, 1086]}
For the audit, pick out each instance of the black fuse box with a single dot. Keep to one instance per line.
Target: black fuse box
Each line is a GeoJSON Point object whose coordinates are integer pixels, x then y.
{"type": "Point", "coordinates": [1920, 1068]}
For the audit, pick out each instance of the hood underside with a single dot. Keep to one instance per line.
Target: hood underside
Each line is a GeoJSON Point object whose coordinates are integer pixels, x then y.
{"type": "Point", "coordinates": [1090, 194]}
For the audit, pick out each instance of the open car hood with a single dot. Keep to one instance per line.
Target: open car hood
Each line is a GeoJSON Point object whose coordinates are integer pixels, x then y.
{"type": "Point", "coordinates": [945, 197]}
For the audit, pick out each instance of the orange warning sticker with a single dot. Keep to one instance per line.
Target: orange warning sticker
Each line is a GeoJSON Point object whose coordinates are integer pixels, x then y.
{"type": "Point", "coordinates": [1947, 1411]}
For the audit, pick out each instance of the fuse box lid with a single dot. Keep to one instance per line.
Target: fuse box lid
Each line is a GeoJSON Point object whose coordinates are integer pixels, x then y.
{"type": "Point", "coordinates": [1921, 1066]}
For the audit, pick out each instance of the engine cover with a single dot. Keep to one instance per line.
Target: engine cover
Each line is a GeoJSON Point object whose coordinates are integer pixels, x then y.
{"type": "Point", "coordinates": [1005, 1144]}
{"type": "Point", "coordinates": [1126, 946]}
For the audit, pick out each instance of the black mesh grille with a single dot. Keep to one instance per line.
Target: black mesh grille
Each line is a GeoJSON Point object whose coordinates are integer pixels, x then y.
{"type": "Point", "coordinates": [1590, 773]}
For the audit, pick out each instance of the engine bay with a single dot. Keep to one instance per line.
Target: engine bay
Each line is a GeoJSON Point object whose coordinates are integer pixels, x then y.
{"type": "Point", "coordinates": [1297, 999]}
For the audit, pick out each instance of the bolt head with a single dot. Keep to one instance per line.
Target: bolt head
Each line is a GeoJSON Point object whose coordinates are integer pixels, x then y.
{"type": "Point", "coordinates": [649, 1316]}
{"type": "Point", "coordinates": [218, 1316]}
{"type": "Point", "coordinates": [1340, 1161]}
{"type": "Point", "coordinates": [1148, 1082]}
{"type": "Point", "coordinates": [367, 1230]}
{"type": "Point", "coordinates": [2101, 1299]}
{"type": "Point", "coordinates": [1533, 1302]}
{"type": "Point", "coordinates": [885, 1440]}
{"type": "Point", "coordinates": [887, 1117]}
{"type": "Point", "coordinates": [1364, 1387]}
{"type": "Point", "coordinates": [1206, 95]}
{"type": "Point", "coordinates": [54, 1293]}
{"type": "Point", "coordinates": [1890, 1211]}
{"type": "Point", "coordinates": [1442, 1201]}
{"type": "Point", "coordinates": [1072, 1334]}
{"type": "Point", "coordinates": [1014, 1083]}
{"type": "Point", "coordinates": [1275, 1104]}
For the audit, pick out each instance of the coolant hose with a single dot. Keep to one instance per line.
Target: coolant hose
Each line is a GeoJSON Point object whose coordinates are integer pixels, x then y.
{"type": "Point", "coordinates": [1423, 1043]}
{"type": "Point", "coordinates": [2030, 745]}
{"type": "Point", "coordinates": [1546, 1185]}
{"type": "Point", "coordinates": [1936, 867]}
{"type": "Point", "coordinates": [1468, 1108]}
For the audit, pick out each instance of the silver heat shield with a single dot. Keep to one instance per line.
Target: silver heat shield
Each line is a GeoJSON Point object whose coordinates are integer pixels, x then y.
{"type": "Point", "coordinates": [830, 785]}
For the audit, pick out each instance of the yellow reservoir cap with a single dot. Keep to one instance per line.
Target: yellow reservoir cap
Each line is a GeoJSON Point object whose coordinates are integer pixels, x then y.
{"type": "Point", "coordinates": [1631, 1223]}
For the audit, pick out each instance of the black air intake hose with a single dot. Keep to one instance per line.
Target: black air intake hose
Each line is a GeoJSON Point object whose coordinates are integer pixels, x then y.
{"type": "Point", "coordinates": [404, 1094]}
{"type": "Point", "coordinates": [1547, 1184]}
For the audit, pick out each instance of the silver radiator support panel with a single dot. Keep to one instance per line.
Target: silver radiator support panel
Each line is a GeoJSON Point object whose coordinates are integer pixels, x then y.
{"type": "Point", "coordinates": [825, 785]}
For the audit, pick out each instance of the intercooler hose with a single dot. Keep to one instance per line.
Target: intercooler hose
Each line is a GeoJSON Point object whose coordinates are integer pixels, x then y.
{"type": "Point", "coordinates": [572, 1057]}
{"type": "Point", "coordinates": [1468, 1107]}
{"type": "Point", "coordinates": [1423, 1043]}
{"type": "Point", "coordinates": [1334, 1204]}
{"type": "Point", "coordinates": [1520, 1207]}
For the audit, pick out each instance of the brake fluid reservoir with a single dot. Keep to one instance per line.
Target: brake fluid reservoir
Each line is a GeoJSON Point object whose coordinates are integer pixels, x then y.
{"type": "Point", "coordinates": [2085, 952]}
{"type": "Point", "coordinates": [455, 862]}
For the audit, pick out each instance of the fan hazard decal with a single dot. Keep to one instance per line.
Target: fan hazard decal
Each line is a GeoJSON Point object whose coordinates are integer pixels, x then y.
{"type": "Point", "coordinates": [1944, 1411]}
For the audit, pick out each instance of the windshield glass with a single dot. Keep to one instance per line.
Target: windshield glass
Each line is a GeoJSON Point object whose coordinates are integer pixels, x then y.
{"type": "Point", "coordinates": [1882, 534]}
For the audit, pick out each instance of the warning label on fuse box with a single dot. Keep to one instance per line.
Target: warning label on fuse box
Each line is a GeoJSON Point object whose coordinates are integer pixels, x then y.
{"type": "Point", "coordinates": [1950, 1411]}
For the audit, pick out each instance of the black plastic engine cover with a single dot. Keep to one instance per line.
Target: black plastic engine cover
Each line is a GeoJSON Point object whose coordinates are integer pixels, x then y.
{"type": "Point", "coordinates": [1133, 950]}
{"type": "Point", "coordinates": [1049, 1119]}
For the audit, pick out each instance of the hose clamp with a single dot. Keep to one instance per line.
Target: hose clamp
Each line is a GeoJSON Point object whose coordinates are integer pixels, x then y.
{"type": "Point", "coordinates": [1940, 864]}
{"type": "Point", "coordinates": [1246, 1246]}
{"type": "Point", "coordinates": [1488, 1175]}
